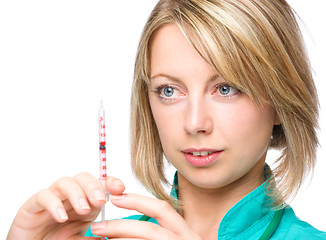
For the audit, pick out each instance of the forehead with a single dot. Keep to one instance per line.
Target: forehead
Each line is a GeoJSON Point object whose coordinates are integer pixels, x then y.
{"type": "Point", "coordinates": [171, 51]}
{"type": "Point", "coordinates": [170, 41]}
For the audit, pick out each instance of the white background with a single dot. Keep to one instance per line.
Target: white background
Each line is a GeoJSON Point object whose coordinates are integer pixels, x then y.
{"type": "Point", "coordinates": [58, 59]}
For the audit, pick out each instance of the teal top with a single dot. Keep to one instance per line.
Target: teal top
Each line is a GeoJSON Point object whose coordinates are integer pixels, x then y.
{"type": "Point", "coordinates": [251, 216]}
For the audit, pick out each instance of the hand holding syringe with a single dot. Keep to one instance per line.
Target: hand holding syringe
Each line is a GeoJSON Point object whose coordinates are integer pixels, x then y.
{"type": "Point", "coordinates": [69, 205]}
{"type": "Point", "coordinates": [67, 208]}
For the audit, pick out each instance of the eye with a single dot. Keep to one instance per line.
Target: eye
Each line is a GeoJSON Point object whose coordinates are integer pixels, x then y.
{"type": "Point", "coordinates": [168, 93]}
{"type": "Point", "coordinates": [226, 90]}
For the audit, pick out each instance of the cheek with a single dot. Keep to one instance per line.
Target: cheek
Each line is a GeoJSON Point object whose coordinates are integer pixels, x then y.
{"type": "Point", "coordinates": [248, 127]}
{"type": "Point", "coordinates": [167, 121]}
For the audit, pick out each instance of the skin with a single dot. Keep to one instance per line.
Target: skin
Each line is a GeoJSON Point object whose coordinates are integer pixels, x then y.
{"type": "Point", "coordinates": [198, 116]}
{"type": "Point", "coordinates": [64, 210]}
{"type": "Point", "coordinates": [193, 110]}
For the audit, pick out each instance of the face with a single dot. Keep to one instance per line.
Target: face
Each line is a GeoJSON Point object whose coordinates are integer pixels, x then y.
{"type": "Point", "coordinates": [211, 132]}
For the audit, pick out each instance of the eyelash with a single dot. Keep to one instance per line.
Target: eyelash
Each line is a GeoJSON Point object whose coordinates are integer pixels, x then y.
{"type": "Point", "coordinates": [159, 89]}
{"type": "Point", "coordinates": [216, 87]}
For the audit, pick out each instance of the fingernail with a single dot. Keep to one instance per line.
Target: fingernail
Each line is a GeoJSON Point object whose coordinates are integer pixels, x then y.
{"type": "Point", "coordinates": [118, 197]}
{"type": "Point", "coordinates": [99, 195]}
{"type": "Point", "coordinates": [98, 226]}
{"type": "Point", "coordinates": [83, 204]}
{"type": "Point", "coordinates": [117, 183]}
{"type": "Point", "coordinates": [62, 213]}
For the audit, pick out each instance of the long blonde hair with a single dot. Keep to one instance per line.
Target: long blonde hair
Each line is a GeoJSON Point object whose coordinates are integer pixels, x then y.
{"type": "Point", "coordinates": [257, 46]}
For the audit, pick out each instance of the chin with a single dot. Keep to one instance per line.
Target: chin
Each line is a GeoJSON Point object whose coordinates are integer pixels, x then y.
{"type": "Point", "coordinates": [208, 179]}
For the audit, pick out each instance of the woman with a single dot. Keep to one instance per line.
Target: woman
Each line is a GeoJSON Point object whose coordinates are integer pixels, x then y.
{"type": "Point", "coordinates": [217, 84]}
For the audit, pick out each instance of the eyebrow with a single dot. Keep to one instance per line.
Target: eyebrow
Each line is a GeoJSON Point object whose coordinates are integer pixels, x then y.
{"type": "Point", "coordinates": [166, 76]}
{"type": "Point", "coordinates": [175, 79]}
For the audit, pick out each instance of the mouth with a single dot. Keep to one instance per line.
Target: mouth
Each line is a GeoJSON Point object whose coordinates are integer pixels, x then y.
{"type": "Point", "coordinates": [201, 153]}
{"type": "Point", "coordinates": [201, 157]}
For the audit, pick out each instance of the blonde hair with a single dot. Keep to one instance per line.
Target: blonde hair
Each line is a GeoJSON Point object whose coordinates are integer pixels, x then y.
{"type": "Point", "coordinates": [257, 46]}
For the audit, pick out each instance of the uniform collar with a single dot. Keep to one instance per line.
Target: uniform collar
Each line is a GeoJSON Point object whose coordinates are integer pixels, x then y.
{"type": "Point", "coordinates": [248, 218]}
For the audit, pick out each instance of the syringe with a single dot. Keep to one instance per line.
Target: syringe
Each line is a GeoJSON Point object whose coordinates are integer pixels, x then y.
{"type": "Point", "coordinates": [102, 141]}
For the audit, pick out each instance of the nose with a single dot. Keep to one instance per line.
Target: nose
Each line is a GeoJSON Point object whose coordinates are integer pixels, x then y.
{"type": "Point", "coordinates": [198, 118]}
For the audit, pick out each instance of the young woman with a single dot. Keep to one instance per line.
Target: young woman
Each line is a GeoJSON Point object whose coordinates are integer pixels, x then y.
{"type": "Point", "coordinates": [217, 84]}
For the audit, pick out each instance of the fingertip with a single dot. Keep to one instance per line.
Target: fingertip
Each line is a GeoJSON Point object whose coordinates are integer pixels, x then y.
{"type": "Point", "coordinates": [61, 215]}
{"type": "Point", "coordinates": [114, 181]}
{"type": "Point", "coordinates": [83, 205]}
{"type": "Point", "coordinates": [97, 227]}
{"type": "Point", "coordinates": [99, 198]}
{"type": "Point", "coordinates": [118, 197]}
{"type": "Point", "coordinates": [115, 186]}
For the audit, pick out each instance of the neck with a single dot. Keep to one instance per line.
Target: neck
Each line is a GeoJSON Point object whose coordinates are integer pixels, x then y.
{"type": "Point", "coordinates": [203, 209]}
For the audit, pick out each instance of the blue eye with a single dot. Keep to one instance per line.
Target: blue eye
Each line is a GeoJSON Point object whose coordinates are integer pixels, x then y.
{"type": "Point", "coordinates": [167, 91]}
{"type": "Point", "coordinates": [226, 90]}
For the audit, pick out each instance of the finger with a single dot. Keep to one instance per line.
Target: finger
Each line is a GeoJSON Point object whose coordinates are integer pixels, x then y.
{"type": "Point", "coordinates": [125, 239]}
{"type": "Point", "coordinates": [46, 200]}
{"type": "Point", "coordinates": [84, 238]}
{"type": "Point", "coordinates": [68, 188]}
{"type": "Point", "coordinates": [131, 229]}
{"type": "Point", "coordinates": [74, 231]}
{"type": "Point", "coordinates": [115, 186]}
{"type": "Point", "coordinates": [160, 210]}
{"type": "Point", "coordinates": [92, 188]}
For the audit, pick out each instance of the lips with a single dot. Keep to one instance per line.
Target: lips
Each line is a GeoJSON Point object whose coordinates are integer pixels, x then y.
{"type": "Point", "coordinates": [201, 157]}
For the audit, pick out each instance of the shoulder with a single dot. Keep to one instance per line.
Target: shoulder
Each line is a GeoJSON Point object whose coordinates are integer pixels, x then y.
{"type": "Point", "coordinates": [291, 227]}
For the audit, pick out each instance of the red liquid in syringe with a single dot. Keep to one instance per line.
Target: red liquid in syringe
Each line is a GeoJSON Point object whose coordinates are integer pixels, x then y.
{"type": "Point", "coordinates": [103, 174]}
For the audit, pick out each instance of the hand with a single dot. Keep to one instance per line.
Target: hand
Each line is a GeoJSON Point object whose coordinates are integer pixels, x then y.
{"type": "Point", "coordinates": [63, 211]}
{"type": "Point", "coordinates": [172, 225]}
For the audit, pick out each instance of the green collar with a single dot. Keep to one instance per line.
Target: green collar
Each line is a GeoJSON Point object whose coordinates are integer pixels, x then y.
{"type": "Point", "coordinates": [250, 218]}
